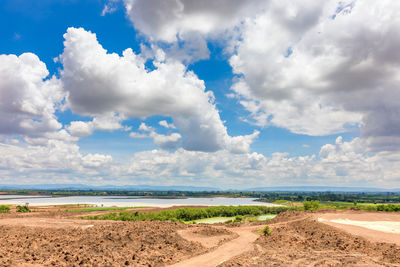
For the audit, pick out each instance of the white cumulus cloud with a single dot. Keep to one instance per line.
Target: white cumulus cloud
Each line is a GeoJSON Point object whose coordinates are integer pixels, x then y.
{"type": "Point", "coordinates": [28, 100]}
{"type": "Point", "coordinates": [100, 83]}
{"type": "Point", "coordinates": [187, 24]}
{"type": "Point", "coordinates": [170, 141]}
{"type": "Point", "coordinates": [322, 67]}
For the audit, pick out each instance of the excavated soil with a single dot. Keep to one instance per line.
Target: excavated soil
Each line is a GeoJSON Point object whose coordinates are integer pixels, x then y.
{"type": "Point", "coordinates": [208, 230]}
{"type": "Point", "coordinates": [103, 244]}
{"type": "Point", "coordinates": [298, 239]}
{"type": "Point", "coordinates": [207, 236]}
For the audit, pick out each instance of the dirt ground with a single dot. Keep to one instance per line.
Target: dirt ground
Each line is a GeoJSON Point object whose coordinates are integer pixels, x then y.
{"type": "Point", "coordinates": [297, 239]}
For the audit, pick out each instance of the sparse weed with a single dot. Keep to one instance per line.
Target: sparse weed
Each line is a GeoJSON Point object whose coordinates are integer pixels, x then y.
{"type": "Point", "coordinates": [266, 231]}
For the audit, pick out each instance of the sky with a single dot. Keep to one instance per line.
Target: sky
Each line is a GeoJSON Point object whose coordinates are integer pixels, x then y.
{"type": "Point", "coordinates": [220, 93]}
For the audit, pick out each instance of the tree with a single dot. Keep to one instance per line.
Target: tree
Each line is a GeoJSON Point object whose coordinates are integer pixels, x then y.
{"type": "Point", "coordinates": [311, 205]}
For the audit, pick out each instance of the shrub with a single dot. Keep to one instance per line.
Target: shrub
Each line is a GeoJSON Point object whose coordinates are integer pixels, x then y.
{"type": "Point", "coordinates": [266, 230]}
{"type": "Point", "coordinates": [4, 208]}
{"type": "Point", "coordinates": [311, 205]}
{"type": "Point", "coordinates": [24, 208]}
{"type": "Point", "coordinates": [238, 218]}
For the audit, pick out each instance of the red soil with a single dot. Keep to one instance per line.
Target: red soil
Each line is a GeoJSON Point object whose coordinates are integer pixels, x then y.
{"type": "Point", "coordinates": [297, 239]}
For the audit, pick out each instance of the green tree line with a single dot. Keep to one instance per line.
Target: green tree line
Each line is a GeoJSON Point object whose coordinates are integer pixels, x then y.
{"type": "Point", "coordinates": [190, 214]}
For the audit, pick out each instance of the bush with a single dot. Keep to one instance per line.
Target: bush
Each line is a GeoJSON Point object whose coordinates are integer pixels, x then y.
{"type": "Point", "coordinates": [4, 208]}
{"type": "Point", "coordinates": [24, 208]}
{"type": "Point", "coordinates": [266, 230]}
{"type": "Point", "coordinates": [311, 205]}
{"type": "Point", "coordinates": [238, 218]}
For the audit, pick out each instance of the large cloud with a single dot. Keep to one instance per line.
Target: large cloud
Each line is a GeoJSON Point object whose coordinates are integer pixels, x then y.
{"type": "Point", "coordinates": [313, 67]}
{"type": "Point", "coordinates": [171, 20]}
{"type": "Point", "coordinates": [27, 100]}
{"type": "Point", "coordinates": [322, 69]}
{"type": "Point", "coordinates": [100, 83]}
{"type": "Point", "coordinates": [186, 25]}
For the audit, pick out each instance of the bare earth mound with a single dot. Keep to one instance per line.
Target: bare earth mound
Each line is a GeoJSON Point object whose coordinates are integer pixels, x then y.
{"type": "Point", "coordinates": [297, 239]}
{"type": "Point", "coordinates": [104, 244]}
{"type": "Point", "coordinates": [207, 236]}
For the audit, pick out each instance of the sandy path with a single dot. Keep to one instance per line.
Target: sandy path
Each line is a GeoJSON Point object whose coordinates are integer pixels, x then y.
{"type": "Point", "coordinates": [239, 245]}
{"type": "Point", "coordinates": [378, 227]}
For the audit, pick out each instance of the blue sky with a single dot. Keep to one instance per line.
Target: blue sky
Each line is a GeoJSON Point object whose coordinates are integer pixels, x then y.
{"type": "Point", "coordinates": [211, 84]}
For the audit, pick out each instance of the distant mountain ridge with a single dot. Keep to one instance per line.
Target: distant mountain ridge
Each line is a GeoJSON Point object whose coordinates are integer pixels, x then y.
{"type": "Point", "coordinates": [195, 188]}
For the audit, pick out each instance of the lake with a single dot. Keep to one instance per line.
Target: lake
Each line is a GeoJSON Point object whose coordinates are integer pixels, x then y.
{"type": "Point", "coordinates": [128, 201]}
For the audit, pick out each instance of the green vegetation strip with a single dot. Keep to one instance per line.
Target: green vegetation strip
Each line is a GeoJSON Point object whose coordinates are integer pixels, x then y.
{"type": "Point", "coordinates": [191, 214]}
{"type": "Point", "coordinates": [315, 205]}
{"type": "Point", "coordinates": [4, 208]}
{"type": "Point", "coordinates": [380, 207]}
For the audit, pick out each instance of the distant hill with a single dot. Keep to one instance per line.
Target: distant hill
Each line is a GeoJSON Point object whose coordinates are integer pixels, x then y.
{"type": "Point", "coordinates": [106, 187]}
{"type": "Point", "coordinates": [320, 189]}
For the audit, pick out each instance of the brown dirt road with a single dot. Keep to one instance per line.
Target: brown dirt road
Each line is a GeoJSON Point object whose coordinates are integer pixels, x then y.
{"type": "Point", "coordinates": [243, 243]}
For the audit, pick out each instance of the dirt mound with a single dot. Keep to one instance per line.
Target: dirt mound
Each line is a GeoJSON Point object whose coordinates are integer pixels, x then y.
{"type": "Point", "coordinates": [208, 236]}
{"type": "Point", "coordinates": [287, 216]}
{"type": "Point", "coordinates": [210, 231]}
{"type": "Point", "coordinates": [300, 240]}
{"type": "Point", "coordinates": [107, 244]}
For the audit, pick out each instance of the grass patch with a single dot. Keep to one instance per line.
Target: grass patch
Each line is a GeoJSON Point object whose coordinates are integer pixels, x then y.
{"type": "Point", "coordinates": [213, 220]}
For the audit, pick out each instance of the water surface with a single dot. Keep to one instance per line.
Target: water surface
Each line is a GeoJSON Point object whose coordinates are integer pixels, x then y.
{"type": "Point", "coordinates": [128, 201]}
